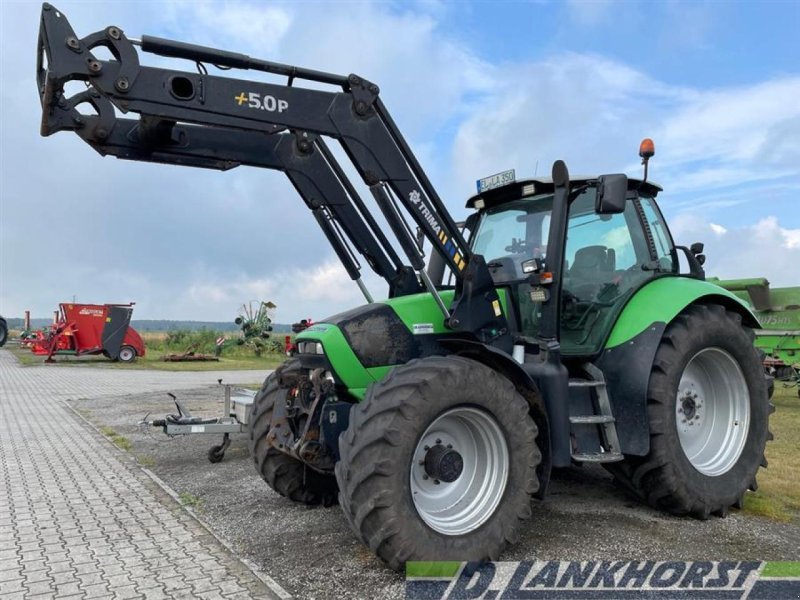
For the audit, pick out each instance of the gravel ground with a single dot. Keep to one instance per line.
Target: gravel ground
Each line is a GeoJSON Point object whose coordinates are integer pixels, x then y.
{"type": "Point", "coordinates": [312, 553]}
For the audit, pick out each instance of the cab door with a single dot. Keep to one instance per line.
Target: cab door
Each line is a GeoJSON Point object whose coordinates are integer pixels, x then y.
{"type": "Point", "coordinates": [607, 257]}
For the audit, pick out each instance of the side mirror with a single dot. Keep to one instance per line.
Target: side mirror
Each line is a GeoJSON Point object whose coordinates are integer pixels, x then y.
{"type": "Point", "coordinates": [612, 191]}
{"type": "Point", "coordinates": [697, 250]}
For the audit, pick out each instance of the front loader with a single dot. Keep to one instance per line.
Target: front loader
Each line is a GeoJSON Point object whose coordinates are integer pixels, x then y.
{"type": "Point", "coordinates": [555, 327]}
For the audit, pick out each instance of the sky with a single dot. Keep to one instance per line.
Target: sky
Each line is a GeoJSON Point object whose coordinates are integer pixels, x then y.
{"type": "Point", "coordinates": [476, 88]}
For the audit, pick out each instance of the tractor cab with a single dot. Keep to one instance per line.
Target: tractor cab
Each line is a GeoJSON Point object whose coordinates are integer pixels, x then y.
{"type": "Point", "coordinates": [607, 256]}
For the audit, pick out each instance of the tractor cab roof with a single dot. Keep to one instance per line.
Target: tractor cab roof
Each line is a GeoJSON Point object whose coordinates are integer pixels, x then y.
{"type": "Point", "coordinates": [544, 185]}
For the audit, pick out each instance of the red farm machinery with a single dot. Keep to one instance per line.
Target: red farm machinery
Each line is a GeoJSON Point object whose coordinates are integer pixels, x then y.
{"type": "Point", "coordinates": [87, 329]}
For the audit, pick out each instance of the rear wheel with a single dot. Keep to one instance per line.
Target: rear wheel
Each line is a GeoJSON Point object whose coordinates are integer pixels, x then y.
{"type": "Point", "coordinates": [439, 463]}
{"type": "Point", "coordinates": [127, 354]}
{"type": "Point", "coordinates": [708, 409]}
{"type": "Point", "coordinates": [3, 333]}
{"type": "Point", "coordinates": [284, 474]}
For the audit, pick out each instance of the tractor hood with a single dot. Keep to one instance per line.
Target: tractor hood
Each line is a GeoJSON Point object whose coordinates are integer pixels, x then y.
{"type": "Point", "coordinates": [362, 344]}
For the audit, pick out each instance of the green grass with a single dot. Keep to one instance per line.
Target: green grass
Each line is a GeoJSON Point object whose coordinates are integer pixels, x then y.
{"type": "Point", "coordinates": [118, 440]}
{"type": "Point", "coordinates": [191, 500]}
{"type": "Point", "coordinates": [232, 359]}
{"type": "Point", "coordinates": [147, 461]}
{"type": "Point", "coordinates": [153, 361]}
{"type": "Point", "coordinates": [778, 495]}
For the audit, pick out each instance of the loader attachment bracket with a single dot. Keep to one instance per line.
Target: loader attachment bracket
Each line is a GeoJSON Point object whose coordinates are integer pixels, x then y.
{"type": "Point", "coordinates": [55, 68]}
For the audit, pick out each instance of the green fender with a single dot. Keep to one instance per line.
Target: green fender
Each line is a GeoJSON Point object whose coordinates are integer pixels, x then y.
{"type": "Point", "coordinates": [661, 300]}
{"type": "Point", "coordinates": [628, 356]}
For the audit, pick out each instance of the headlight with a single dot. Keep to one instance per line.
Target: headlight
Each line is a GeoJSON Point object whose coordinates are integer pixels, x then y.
{"type": "Point", "coordinates": [310, 348]}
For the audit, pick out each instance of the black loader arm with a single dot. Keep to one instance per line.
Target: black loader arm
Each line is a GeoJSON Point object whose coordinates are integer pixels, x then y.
{"type": "Point", "coordinates": [197, 119]}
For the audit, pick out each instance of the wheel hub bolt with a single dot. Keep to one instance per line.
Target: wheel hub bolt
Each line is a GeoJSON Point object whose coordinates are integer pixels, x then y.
{"type": "Point", "coordinates": [688, 406]}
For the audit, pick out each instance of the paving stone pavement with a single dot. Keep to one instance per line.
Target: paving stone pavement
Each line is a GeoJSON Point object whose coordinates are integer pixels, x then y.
{"type": "Point", "coordinates": [78, 519]}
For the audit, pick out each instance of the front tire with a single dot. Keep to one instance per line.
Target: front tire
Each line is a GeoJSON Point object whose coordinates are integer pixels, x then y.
{"type": "Point", "coordinates": [708, 409]}
{"type": "Point", "coordinates": [284, 474]}
{"type": "Point", "coordinates": [439, 463]}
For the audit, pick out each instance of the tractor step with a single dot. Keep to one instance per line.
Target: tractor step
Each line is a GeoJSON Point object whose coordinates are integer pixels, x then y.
{"type": "Point", "coordinates": [609, 450]}
{"type": "Point", "coordinates": [579, 383]}
{"type": "Point", "coordinates": [598, 457]}
{"type": "Point", "coordinates": [591, 419]}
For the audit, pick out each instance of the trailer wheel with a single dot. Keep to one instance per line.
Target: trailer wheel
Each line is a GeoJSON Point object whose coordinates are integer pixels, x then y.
{"type": "Point", "coordinates": [708, 409]}
{"type": "Point", "coordinates": [127, 354]}
{"type": "Point", "coordinates": [216, 454]}
{"type": "Point", "coordinates": [439, 463]}
{"type": "Point", "coordinates": [284, 474]}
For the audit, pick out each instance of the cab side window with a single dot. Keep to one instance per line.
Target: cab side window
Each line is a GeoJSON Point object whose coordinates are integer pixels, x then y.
{"type": "Point", "coordinates": [665, 248]}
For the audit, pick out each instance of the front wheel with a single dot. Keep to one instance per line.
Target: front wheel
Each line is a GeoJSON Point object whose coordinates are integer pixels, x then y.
{"type": "Point", "coordinates": [708, 409]}
{"type": "Point", "coordinates": [283, 473]}
{"type": "Point", "coordinates": [439, 463]}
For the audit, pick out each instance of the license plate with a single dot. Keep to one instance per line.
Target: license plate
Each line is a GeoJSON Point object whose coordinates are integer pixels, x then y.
{"type": "Point", "coordinates": [496, 181]}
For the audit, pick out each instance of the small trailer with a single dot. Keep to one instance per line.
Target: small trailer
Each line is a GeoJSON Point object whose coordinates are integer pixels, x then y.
{"type": "Point", "coordinates": [87, 329]}
{"type": "Point", "coordinates": [234, 419]}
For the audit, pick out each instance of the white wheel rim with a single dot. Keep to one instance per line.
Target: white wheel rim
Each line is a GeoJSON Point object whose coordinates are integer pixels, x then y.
{"type": "Point", "coordinates": [126, 354]}
{"type": "Point", "coordinates": [713, 411]}
{"type": "Point", "coordinates": [463, 505]}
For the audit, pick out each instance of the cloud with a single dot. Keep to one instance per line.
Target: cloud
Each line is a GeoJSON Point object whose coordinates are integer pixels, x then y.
{"type": "Point", "coordinates": [593, 111]}
{"type": "Point", "coordinates": [587, 109]}
{"type": "Point", "coordinates": [718, 229]}
{"type": "Point", "coordinates": [318, 292]}
{"type": "Point", "coordinates": [256, 25]}
{"type": "Point", "coordinates": [764, 249]}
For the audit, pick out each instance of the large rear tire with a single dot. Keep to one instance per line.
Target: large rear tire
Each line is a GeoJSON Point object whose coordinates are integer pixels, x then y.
{"type": "Point", "coordinates": [289, 477]}
{"type": "Point", "coordinates": [439, 463]}
{"type": "Point", "coordinates": [708, 409]}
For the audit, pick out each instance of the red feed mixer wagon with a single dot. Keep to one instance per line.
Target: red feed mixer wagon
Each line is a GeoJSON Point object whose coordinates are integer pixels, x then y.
{"type": "Point", "coordinates": [85, 329]}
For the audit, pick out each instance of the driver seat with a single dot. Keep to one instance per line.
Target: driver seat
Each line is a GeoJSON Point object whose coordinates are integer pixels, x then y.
{"type": "Point", "coordinates": [593, 266]}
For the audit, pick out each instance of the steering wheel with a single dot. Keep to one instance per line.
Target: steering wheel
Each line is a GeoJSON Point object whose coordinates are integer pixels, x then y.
{"type": "Point", "coordinates": [518, 246]}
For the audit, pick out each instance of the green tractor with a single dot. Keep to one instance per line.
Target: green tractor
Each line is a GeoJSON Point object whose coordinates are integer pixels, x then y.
{"type": "Point", "coordinates": [554, 327]}
{"type": "Point", "coordinates": [631, 364]}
